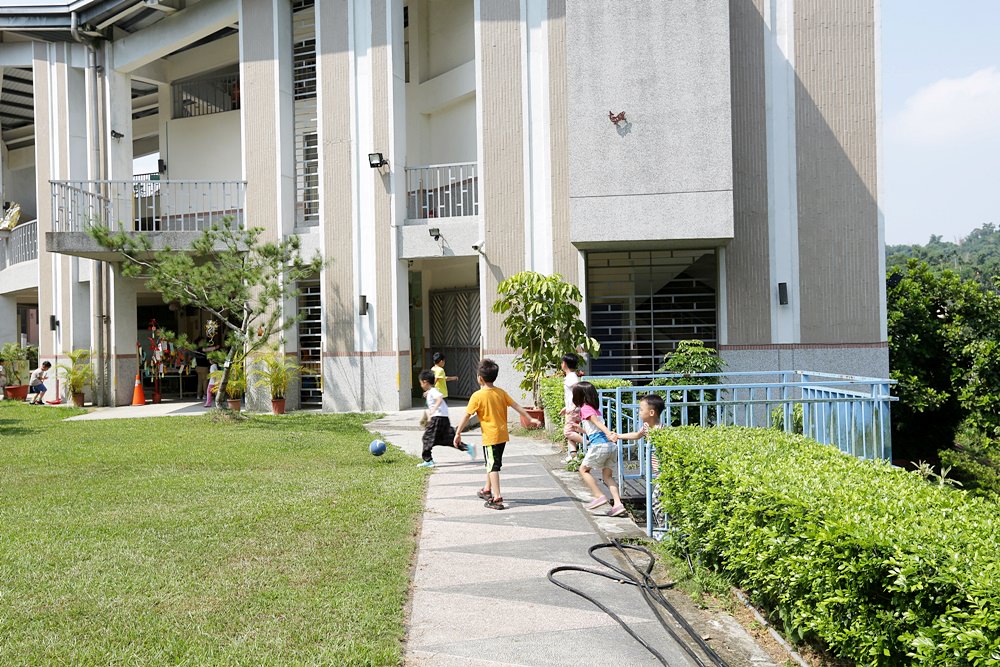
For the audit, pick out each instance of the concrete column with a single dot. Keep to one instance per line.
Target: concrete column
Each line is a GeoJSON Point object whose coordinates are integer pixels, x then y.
{"type": "Point", "coordinates": [124, 327]}
{"type": "Point", "coordinates": [8, 319]}
{"type": "Point", "coordinates": [267, 114]}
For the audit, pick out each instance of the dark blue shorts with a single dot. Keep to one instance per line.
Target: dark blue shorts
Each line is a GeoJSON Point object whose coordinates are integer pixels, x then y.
{"type": "Point", "coordinates": [39, 388]}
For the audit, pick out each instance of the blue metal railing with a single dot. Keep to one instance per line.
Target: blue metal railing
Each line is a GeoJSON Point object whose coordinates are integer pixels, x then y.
{"type": "Point", "coordinates": [848, 412]}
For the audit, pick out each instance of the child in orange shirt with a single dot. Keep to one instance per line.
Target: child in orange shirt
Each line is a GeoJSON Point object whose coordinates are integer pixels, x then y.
{"type": "Point", "coordinates": [490, 405]}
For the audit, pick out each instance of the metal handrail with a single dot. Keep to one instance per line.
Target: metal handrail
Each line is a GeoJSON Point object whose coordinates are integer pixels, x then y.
{"type": "Point", "coordinates": [442, 191]}
{"type": "Point", "coordinates": [146, 205]}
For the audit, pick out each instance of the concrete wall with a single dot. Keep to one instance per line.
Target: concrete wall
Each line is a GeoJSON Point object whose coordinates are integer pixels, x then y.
{"type": "Point", "coordinates": [19, 186]}
{"type": "Point", "coordinates": [451, 133]}
{"type": "Point", "coordinates": [450, 38]}
{"type": "Point", "coordinates": [667, 172]}
{"type": "Point", "coordinates": [205, 148]}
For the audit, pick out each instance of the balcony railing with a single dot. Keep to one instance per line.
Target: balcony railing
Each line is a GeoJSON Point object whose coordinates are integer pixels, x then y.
{"type": "Point", "coordinates": [442, 191]}
{"type": "Point", "coordinates": [146, 205]}
{"type": "Point", "coordinates": [200, 97]}
{"type": "Point", "coordinates": [21, 245]}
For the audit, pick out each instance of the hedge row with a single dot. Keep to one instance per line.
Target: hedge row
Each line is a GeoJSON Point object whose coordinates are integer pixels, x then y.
{"type": "Point", "coordinates": [871, 561]}
{"type": "Point", "coordinates": [553, 400]}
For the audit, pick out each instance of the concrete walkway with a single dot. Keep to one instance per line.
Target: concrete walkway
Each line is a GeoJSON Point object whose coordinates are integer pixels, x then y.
{"type": "Point", "coordinates": [168, 409]}
{"type": "Point", "coordinates": [480, 596]}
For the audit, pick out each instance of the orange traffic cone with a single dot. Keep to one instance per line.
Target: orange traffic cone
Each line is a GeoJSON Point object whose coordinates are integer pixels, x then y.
{"type": "Point", "coordinates": [138, 395]}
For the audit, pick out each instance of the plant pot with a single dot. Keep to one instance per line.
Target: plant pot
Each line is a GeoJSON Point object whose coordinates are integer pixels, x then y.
{"type": "Point", "coordinates": [234, 404]}
{"type": "Point", "coordinates": [537, 413]}
{"type": "Point", "coordinates": [77, 399]}
{"type": "Point", "coordinates": [15, 392]}
{"type": "Point", "coordinates": [278, 406]}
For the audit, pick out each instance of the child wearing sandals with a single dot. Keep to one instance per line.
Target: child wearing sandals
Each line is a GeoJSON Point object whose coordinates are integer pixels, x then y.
{"type": "Point", "coordinates": [602, 452]}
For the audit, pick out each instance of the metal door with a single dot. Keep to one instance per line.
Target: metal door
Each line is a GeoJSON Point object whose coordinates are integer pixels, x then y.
{"type": "Point", "coordinates": [454, 331]}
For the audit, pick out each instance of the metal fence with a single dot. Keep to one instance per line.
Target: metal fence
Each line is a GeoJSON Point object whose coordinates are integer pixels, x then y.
{"type": "Point", "coordinates": [146, 205]}
{"type": "Point", "coordinates": [442, 191]}
{"type": "Point", "coordinates": [848, 412]}
{"type": "Point", "coordinates": [21, 245]}
{"type": "Point", "coordinates": [200, 97]}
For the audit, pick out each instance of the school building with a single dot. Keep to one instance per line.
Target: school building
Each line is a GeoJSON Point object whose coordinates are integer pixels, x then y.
{"type": "Point", "coordinates": [700, 168]}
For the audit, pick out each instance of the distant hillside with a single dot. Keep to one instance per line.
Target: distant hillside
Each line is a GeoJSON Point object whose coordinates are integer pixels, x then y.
{"type": "Point", "coordinates": [976, 256]}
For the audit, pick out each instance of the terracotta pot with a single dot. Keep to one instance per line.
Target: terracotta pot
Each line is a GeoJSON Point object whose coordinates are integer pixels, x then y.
{"type": "Point", "coordinates": [15, 392]}
{"type": "Point", "coordinates": [537, 413]}
{"type": "Point", "coordinates": [234, 404]}
{"type": "Point", "coordinates": [78, 399]}
{"type": "Point", "coordinates": [278, 406]}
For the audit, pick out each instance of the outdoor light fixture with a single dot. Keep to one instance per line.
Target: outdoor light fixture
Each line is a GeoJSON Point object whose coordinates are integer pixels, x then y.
{"type": "Point", "coordinates": [362, 305]}
{"type": "Point", "coordinates": [783, 294]}
{"type": "Point", "coordinates": [376, 161]}
{"type": "Point", "coordinates": [435, 233]}
{"type": "Point", "coordinates": [116, 135]}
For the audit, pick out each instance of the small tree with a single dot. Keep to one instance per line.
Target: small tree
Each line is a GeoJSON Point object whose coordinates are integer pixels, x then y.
{"type": "Point", "coordinates": [690, 358]}
{"type": "Point", "coordinates": [542, 320]}
{"type": "Point", "coordinates": [229, 272]}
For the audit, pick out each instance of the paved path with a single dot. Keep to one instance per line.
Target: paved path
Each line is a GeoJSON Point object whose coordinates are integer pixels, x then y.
{"type": "Point", "coordinates": [169, 409]}
{"type": "Point", "coordinates": [480, 596]}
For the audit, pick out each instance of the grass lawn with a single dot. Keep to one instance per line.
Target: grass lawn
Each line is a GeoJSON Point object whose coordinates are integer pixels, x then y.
{"type": "Point", "coordinates": [185, 540]}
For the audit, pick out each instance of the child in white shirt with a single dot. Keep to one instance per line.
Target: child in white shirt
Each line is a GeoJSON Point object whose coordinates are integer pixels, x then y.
{"type": "Point", "coordinates": [439, 432]}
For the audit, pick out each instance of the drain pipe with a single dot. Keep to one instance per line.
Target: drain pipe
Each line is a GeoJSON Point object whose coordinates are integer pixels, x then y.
{"type": "Point", "coordinates": [93, 174]}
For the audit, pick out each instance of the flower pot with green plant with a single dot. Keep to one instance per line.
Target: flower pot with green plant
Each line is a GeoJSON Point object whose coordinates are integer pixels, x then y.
{"type": "Point", "coordinates": [542, 322]}
{"type": "Point", "coordinates": [78, 375]}
{"type": "Point", "coordinates": [276, 372]}
{"type": "Point", "coordinates": [14, 360]}
{"type": "Point", "coordinates": [235, 387]}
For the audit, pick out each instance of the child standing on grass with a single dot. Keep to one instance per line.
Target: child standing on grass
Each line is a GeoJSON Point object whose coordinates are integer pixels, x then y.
{"type": "Point", "coordinates": [650, 408]}
{"type": "Point", "coordinates": [441, 379]}
{"type": "Point", "coordinates": [439, 432]}
{"type": "Point", "coordinates": [571, 413]}
{"type": "Point", "coordinates": [602, 453]}
{"type": "Point", "coordinates": [490, 405]}
{"type": "Point", "coordinates": [36, 383]}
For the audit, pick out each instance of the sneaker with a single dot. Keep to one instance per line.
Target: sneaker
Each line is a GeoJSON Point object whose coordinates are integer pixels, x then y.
{"type": "Point", "coordinates": [597, 502]}
{"type": "Point", "coordinates": [495, 504]}
{"type": "Point", "coordinates": [485, 494]}
{"type": "Point", "coordinates": [426, 464]}
{"type": "Point", "coordinates": [570, 457]}
{"type": "Point", "coordinates": [471, 451]}
{"type": "Point", "coordinates": [616, 510]}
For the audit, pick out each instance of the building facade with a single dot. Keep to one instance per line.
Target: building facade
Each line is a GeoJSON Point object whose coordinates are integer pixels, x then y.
{"type": "Point", "coordinates": [700, 168]}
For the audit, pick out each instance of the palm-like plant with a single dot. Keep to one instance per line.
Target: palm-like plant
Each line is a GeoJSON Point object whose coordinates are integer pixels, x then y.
{"type": "Point", "coordinates": [276, 373]}
{"type": "Point", "coordinates": [79, 373]}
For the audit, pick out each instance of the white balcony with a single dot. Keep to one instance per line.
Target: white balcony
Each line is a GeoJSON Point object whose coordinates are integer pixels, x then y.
{"type": "Point", "coordinates": [169, 213]}
{"type": "Point", "coordinates": [442, 191]}
{"type": "Point", "coordinates": [19, 245]}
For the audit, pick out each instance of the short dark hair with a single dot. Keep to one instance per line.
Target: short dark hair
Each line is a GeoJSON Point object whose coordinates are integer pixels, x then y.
{"type": "Point", "coordinates": [426, 376]}
{"type": "Point", "coordinates": [584, 393]}
{"type": "Point", "coordinates": [655, 401]}
{"type": "Point", "coordinates": [437, 357]}
{"type": "Point", "coordinates": [571, 361]}
{"type": "Point", "coordinates": [488, 370]}
{"type": "Point", "coordinates": [46, 364]}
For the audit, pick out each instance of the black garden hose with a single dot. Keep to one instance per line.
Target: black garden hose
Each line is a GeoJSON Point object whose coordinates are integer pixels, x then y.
{"type": "Point", "coordinates": [651, 593]}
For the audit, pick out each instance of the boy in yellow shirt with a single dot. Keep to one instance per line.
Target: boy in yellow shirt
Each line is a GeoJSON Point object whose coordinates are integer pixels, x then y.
{"type": "Point", "coordinates": [490, 405]}
{"type": "Point", "coordinates": [441, 379]}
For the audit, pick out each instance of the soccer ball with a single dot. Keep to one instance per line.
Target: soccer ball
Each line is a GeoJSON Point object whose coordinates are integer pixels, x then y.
{"type": "Point", "coordinates": [377, 447]}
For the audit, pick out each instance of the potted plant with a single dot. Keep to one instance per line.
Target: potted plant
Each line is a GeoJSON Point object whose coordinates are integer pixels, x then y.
{"type": "Point", "coordinates": [14, 360]}
{"type": "Point", "coordinates": [541, 321]}
{"type": "Point", "coordinates": [276, 372]}
{"type": "Point", "coordinates": [236, 385]}
{"type": "Point", "coordinates": [79, 374]}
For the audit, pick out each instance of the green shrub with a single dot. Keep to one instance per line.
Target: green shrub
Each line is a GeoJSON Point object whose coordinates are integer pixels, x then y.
{"type": "Point", "coordinates": [866, 559]}
{"type": "Point", "coordinates": [553, 400]}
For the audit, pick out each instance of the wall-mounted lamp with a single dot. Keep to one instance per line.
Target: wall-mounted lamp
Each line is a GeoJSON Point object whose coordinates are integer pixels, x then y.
{"type": "Point", "coordinates": [53, 323]}
{"type": "Point", "coordinates": [376, 161]}
{"type": "Point", "coordinates": [783, 294]}
{"type": "Point", "coordinates": [362, 305]}
{"type": "Point", "coordinates": [435, 233]}
{"type": "Point", "coordinates": [161, 165]}
{"type": "Point", "coordinates": [116, 135]}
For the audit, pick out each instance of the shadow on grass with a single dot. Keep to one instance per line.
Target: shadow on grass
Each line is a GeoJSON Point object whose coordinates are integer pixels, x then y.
{"type": "Point", "coordinates": [13, 427]}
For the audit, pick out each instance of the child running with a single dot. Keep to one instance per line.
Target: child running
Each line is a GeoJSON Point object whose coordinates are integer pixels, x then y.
{"type": "Point", "coordinates": [571, 413]}
{"type": "Point", "coordinates": [650, 408]}
{"type": "Point", "coordinates": [601, 450]}
{"type": "Point", "coordinates": [439, 432]}
{"type": "Point", "coordinates": [441, 379]}
{"type": "Point", "coordinates": [490, 405]}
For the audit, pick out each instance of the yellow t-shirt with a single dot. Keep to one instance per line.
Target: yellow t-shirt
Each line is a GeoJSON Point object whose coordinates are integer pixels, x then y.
{"type": "Point", "coordinates": [490, 404]}
{"type": "Point", "coordinates": [440, 383]}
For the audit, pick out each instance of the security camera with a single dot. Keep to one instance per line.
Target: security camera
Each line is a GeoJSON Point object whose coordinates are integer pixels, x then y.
{"type": "Point", "coordinates": [478, 246]}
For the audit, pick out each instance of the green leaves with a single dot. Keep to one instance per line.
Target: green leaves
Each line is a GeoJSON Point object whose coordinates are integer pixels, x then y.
{"type": "Point", "coordinates": [542, 320]}
{"type": "Point", "coordinates": [861, 557]}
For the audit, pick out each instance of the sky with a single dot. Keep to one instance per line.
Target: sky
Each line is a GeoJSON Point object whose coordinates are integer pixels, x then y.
{"type": "Point", "coordinates": [940, 118]}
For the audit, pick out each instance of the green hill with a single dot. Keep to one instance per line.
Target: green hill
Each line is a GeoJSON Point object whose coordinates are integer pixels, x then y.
{"type": "Point", "coordinates": [976, 256]}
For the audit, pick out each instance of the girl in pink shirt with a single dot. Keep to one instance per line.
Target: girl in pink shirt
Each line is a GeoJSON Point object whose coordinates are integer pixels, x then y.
{"type": "Point", "coordinates": [602, 452]}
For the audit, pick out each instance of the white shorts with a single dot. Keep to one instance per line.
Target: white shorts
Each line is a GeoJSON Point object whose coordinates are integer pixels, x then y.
{"type": "Point", "coordinates": [600, 455]}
